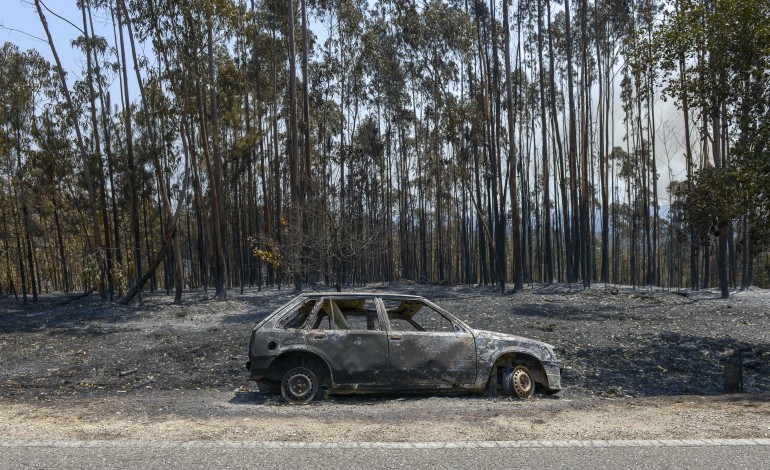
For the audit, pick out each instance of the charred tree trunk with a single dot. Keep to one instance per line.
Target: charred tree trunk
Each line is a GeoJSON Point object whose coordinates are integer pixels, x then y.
{"type": "Point", "coordinates": [518, 268]}
{"type": "Point", "coordinates": [131, 167]}
{"type": "Point", "coordinates": [548, 275]}
{"type": "Point", "coordinates": [72, 115]}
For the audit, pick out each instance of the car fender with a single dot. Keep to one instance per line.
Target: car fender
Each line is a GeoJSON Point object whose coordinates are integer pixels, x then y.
{"type": "Point", "coordinates": [492, 346]}
{"type": "Point", "coordinates": [487, 362]}
{"type": "Point", "coordinates": [275, 364]}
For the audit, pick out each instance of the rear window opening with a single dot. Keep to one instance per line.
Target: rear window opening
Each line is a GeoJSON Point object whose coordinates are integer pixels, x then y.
{"type": "Point", "coordinates": [347, 314]}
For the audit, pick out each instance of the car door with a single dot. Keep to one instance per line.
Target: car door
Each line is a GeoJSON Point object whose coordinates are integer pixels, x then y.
{"type": "Point", "coordinates": [426, 347]}
{"type": "Point", "coordinates": [348, 333]}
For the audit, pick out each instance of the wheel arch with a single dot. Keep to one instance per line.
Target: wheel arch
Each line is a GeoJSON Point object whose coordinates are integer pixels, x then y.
{"type": "Point", "coordinates": [290, 359]}
{"type": "Point", "coordinates": [510, 359]}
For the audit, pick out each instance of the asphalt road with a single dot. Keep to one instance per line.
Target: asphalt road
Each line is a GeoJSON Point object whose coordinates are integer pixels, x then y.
{"type": "Point", "coordinates": [665, 454]}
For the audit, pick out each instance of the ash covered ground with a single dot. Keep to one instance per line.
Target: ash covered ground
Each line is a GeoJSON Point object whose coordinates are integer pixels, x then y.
{"type": "Point", "coordinates": [613, 341]}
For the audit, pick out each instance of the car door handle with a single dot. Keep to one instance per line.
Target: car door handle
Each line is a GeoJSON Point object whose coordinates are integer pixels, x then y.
{"type": "Point", "coordinates": [319, 335]}
{"type": "Point", "coordinates": [396, 337]}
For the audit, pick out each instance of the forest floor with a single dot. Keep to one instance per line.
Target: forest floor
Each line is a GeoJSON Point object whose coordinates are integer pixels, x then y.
{"type": "Point", "coordinates": [637, 364]}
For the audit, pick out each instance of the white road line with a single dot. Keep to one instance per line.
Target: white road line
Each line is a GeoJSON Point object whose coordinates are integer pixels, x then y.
{"type": "Point", "coordinates": [383, 445]}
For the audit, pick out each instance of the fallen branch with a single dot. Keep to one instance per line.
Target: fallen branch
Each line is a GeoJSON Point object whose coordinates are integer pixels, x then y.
{"type": "Point", "coordinates": [155, 263]}
{"type": "Point", "coordinates": [77, 297]}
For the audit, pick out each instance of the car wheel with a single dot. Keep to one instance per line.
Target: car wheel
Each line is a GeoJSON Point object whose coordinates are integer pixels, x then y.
{"type": "Point", "coordinates": [299, 386]}
{"type": "Point", "coordinates": [518, 382]}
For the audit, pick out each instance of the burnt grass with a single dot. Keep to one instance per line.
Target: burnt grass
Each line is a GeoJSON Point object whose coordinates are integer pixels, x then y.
{"type": "Point", "coordinates": [613, 341]}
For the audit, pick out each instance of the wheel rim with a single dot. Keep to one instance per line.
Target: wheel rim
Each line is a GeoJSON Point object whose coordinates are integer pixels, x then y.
{"type": "Point", "coordinates": [299, 386]}
{"type": "Point", "coordinates": [522, 382]}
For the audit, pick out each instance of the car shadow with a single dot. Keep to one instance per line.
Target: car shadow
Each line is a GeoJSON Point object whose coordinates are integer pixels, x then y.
{"type": "Point", "coordinates": [255, 398]}
{"type": "Point", "coordinates": [272, 398]}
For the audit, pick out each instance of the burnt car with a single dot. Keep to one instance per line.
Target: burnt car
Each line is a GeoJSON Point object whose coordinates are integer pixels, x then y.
{"type": "Point", "coordinates": [359, 342]}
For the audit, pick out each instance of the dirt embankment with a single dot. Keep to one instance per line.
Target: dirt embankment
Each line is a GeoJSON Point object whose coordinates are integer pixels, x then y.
{"type": "Point", "coordinates": [638, 364]}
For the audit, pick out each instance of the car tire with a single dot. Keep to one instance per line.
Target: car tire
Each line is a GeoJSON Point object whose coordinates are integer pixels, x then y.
{"type": "Point", "coordinates": [299, 385]}
{"type": "Point", "coordinates": [518, 382]}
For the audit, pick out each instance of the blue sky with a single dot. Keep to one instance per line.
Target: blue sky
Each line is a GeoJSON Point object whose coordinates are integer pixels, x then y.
{"type": "Point", "coordinates": [19, 24]}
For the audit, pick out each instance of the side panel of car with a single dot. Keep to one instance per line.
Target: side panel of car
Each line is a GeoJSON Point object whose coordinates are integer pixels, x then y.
{"type": "Point", "coordinates": [427, 347]}
{"type": "Point", "coordinates": [351, 340]}
{"type": "Point", "coordinates": [348, 335]}
{"type": "Point", "coordinates": [268, 342]}
{"type": "Point", "coordinates": [267, 345]}
{"type": "Point", "coordinates": [420, 358]}
{"type": "Point", "coordinates": [355, 357]}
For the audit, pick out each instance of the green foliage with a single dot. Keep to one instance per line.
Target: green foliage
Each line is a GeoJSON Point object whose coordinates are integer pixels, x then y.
{"type": "Point", "coordinates": [725, 48]}
{"type": "Point", "coordinates": [754, 169]}
{"type": "Point", "coordinates": [245, 145]}
{"type": "Point", "coordinates": [714, 199]}
{"type": "Point", "coordinates": [717, 54]}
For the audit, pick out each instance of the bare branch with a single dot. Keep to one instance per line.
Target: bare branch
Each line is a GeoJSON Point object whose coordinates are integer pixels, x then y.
{"type": "Point", "coordinates": [32, 36]}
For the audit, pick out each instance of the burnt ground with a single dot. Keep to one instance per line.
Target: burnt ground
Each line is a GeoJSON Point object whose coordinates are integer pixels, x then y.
{"type": "Point", "coordinates": [613, 342]}
{"type": "Point", "coordinates": [616, 344]}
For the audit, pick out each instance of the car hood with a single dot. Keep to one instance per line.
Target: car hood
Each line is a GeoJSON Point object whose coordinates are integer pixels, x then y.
{"type": "Point", "coordinates": [495, 340]}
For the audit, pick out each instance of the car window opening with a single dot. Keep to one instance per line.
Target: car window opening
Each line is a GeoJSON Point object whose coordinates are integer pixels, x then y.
{"type": "Point", "coordinates": [297, 319]}
{"type": "Point", "coordinates": [347, 314]}
{"type": "Point", "coordinates": [410, 315]}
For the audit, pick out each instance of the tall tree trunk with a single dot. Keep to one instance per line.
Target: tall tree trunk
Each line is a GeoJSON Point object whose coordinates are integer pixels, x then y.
{"type": "Point", "coordinates": [497, 219]}
{"type": "Point", "coordinates": [62, 257]}
{"type": "Point", "coordinates": [518, 268]}
{"type": "Point", "coordinates": [572, 145]}
{"type": "Point", "coordinates": [20, 256]}
{"type": "Point", "coordinates": [603, 150]}
{"type": "Point", "coordinates": [547, 256]}
{"type": "Point", "coordinates": [689, 166]}
{"type": "Point", "coordinates": [476, 130]}
{"type": "Point", "coordinates": [25, 219]}
{"type": "Point", "coordinates": [99, 167]}
{"type": "Point", "coordinates": [107, 130]}
{"type": "Point", "coordinates": [723, 225]}
{"type": "Point", "coordinates": [276, 167]}
{"type": "Point", "coordinates": [155, 152]}
{"type": "Point", "coordinates": [33, 276]}
{"type": "Point", "coordinates": [308, 169]}
{"type": "Point", "coordinates": [306, 101]}
{"type": "Point", "coordinates": [296, 225]}
{"type": "Point", "coordinates": [559, 147]}
{"type": "Point", "coordinates": [655, 266]}
{"type": "Point", "coordinates": [585, 199]}
{"type": "Point", "coordinates": [215, 173]}
{"type": "Point", "coordinates": [204, 229]}
{"type": "Point", "coordinates": [165, 245]}
{"type": "Point", "coordinates": [72, 114]}
{"type": "Point", "coordinates": [130, 165]}
{"type": "Point", "coordinates": [7, 251]}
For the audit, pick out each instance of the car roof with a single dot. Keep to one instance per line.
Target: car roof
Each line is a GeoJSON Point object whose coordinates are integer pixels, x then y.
{"type": "Point", "coordinates": [360, 295]}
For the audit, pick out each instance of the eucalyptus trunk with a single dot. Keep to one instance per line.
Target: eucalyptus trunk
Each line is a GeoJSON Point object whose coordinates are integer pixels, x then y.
{"type": "Point", "coordinates": [83, 155]}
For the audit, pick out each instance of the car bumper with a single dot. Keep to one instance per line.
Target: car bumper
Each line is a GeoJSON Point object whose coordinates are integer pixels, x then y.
{"type": "Point", "coordinates": [258, 367]}
{"type": "Point", "coordinates": [552, 375]}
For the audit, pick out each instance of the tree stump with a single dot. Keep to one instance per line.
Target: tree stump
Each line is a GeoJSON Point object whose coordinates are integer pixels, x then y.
{"type": "Point", "coordinates": [733, 373]}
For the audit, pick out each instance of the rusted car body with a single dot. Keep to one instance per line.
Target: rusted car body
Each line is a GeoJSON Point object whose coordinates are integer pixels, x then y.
{"type": "Point", "coordinates": [372, 342]}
